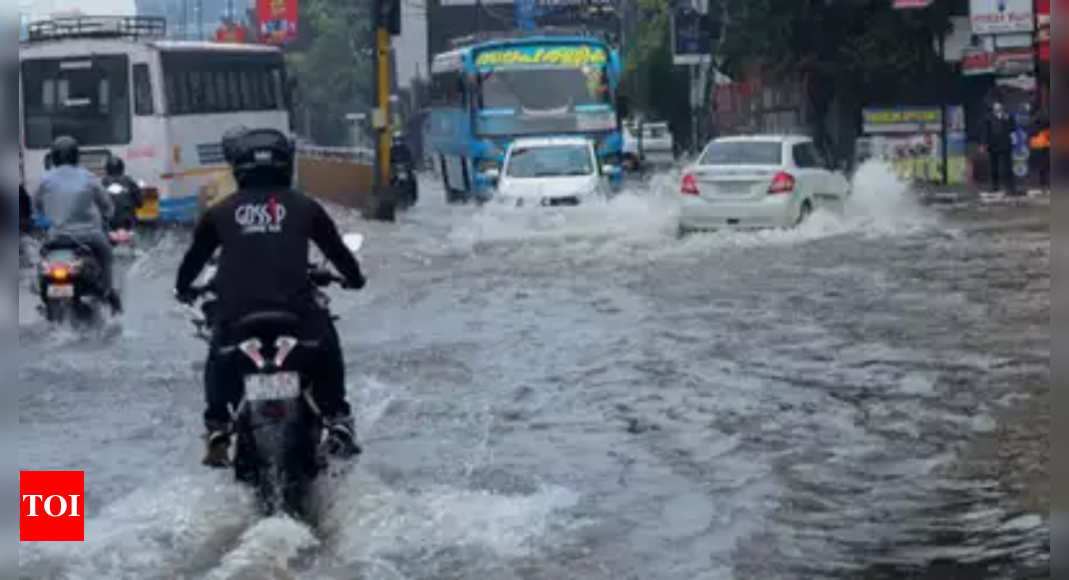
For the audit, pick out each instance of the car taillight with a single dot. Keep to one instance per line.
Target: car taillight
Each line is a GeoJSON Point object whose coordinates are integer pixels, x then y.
{"type": "Point", "coordinates": [690, 186]}
{"type": "Point", "coordinates": [781, 183]}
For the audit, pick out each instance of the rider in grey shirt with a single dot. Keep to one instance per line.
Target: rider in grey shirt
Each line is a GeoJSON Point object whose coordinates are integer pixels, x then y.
{"type": "Point", "coordinates": [77, 208]}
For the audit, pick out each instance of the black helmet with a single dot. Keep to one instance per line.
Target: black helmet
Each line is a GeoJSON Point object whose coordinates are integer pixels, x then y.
{"type": "Point", "coordinates": [65, 151]}
{"type": "Point", "coordinates": [115, 166]}
{"type": "Point", "coordinates": [230, 139]}
{"type": "Point", "coordinates": [264, 158]}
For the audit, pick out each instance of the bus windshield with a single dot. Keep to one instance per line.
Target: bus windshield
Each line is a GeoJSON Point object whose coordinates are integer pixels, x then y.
{"type": "Point", "coordinates": [87, 98]}
{"type": "Point", "coordinates": [533, 100]}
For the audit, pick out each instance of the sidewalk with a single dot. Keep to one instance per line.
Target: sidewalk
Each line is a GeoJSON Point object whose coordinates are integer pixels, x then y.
{"type": "Point", "coordinates": [971, 194]}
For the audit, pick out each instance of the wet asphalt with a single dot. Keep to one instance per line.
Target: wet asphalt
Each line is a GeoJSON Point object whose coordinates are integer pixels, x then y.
{"type": "Point", "coordinates": [582, 395]}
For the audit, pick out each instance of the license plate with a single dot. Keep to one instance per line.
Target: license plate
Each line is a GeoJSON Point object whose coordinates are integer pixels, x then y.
{"type": "Point", "coordinates": [274, 387]}
{"type": "Point", "coordinates": [733, 189]}
{"type": "Point", "coordinates": [61, 291]}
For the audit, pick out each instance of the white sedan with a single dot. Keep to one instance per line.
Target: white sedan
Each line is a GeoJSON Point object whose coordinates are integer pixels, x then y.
{"type": "Point", "coordinates": [551, 172]}
{"type": "Point", "coordinates": [758, 182]}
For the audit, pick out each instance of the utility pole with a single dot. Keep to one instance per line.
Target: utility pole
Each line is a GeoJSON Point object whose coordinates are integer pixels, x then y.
{"type": "Point", "coordinates": [387, 24]}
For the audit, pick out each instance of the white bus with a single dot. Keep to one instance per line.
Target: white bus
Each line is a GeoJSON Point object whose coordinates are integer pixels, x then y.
{"type": "Point", "coordinates": [117, 87]}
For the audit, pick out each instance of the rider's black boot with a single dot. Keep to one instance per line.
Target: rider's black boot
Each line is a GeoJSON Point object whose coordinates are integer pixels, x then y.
{"type": "Point", "coordinates": [217, 446]}
{"type": "Point", "coordinates": [115, 301]}
{"type": "Point", "coordinates": [341, 437]}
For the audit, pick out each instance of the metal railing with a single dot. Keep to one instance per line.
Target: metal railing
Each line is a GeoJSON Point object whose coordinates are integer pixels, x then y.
{"type": "Point", "coordinates": [349, 154]}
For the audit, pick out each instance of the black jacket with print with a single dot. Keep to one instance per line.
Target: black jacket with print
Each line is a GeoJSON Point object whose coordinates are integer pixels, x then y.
{"type": "Point", "coordinates": [265, 237]}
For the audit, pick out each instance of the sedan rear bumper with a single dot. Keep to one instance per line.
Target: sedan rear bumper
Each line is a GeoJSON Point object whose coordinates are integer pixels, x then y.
{"type": "Point", "coordinates": [773, 211]}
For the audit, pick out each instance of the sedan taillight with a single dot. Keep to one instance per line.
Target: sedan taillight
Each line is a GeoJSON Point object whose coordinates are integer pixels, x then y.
{"type": "Point", "coordinates": [689, 186]}
{"type": "Point", "coordinates": [782, 183]}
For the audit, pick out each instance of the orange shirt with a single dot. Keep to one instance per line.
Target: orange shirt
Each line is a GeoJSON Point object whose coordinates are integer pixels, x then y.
{"type": "Point", "coordinates": [1041, 141]}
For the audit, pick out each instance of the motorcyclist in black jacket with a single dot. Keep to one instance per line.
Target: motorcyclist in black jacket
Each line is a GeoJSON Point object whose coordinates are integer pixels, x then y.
{"type": "Point", "coordinates": [126, 201]}
{"type": "Point", "coordinates": [263, 233]}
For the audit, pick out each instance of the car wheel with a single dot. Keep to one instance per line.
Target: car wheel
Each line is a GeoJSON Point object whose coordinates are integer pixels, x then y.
{"type": "Point", "coordinates": [804, 213]}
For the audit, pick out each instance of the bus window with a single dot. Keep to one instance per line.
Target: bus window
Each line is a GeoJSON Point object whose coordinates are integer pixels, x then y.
{"type": "Point", "coordinates": [143, 102]}
{"type": "Point", "coordinates": [223, 83]}
{"type": "Point", "coordinates": [85, 98]}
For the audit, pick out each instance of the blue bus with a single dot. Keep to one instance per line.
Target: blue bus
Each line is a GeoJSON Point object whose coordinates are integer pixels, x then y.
{"type": "Point", "coordinates": [485, 95]}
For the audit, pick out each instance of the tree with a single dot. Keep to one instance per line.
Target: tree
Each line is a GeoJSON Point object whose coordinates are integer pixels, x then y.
{"type": "Point", "coordinates": [853, 52]}
{"type": "Point", "coordinates": [658, 88]}
{"type": "Point", "coordinates": [333, 68]}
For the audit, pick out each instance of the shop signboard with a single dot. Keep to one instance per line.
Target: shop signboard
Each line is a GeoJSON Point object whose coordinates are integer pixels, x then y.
{"type": "Point", "coordinates": [1001, 16]}
{"type": "Point", "coordinates": [911, 4]}
{"type": "Point", "coordinates": [910, 139]}
{"type": "Point", "coordinates": [977, 61]}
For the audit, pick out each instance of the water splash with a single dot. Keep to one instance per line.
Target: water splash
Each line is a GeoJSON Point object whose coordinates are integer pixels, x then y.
{"type": "Point", "coordinates": [883, 204]}
{"type": "Point", "coordinates": [379, 521]}
{"type": "Point", "coordinates": [165, 531]}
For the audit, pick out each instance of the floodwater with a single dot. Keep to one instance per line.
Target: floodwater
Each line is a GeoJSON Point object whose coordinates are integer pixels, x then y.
{"type": "Point", "coordinates": [581, 395]}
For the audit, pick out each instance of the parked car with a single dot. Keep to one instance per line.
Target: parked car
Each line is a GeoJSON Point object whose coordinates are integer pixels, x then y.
{"type": "Point", "coordinates": [649, 146]}
{"type": "Point", "coordinates": [761, 181]}
{"type": "Point", "coordinates": [557, 171]}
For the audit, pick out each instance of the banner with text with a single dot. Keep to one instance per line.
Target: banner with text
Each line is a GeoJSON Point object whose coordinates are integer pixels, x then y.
{"type": "Point", "coordinates": [233, 33]}
{"type": "Point", "coordinates": [277, 20]}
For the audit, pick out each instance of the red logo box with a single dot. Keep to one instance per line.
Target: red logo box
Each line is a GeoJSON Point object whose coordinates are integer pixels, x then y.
{"type": "Point", "coordinates": [52, 506]}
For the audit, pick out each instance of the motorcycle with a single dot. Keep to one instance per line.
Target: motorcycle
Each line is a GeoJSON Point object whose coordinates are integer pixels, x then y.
{"type": "Point", "coordinates": [279, 433]}
{"type": "Point", "coordinates": [70, 281]}
{"type": "Point", "coordinates": [70, 284]}
{"type": "Point", "coordinates": [403, 178]}
{"type": "Point", "coordinates": [122, 226]}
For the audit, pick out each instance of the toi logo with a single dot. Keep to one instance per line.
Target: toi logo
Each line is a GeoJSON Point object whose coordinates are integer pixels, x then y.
{"type": "Point", "coordinates": [52, 506]}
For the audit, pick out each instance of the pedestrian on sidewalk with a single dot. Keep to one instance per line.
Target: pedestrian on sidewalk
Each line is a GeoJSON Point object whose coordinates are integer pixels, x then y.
{"type": "Point", "coordinates": [998, 145]}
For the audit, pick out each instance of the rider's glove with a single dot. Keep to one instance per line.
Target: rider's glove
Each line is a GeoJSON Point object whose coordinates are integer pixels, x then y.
{"type": "Point", "coordinates": [186, 297]}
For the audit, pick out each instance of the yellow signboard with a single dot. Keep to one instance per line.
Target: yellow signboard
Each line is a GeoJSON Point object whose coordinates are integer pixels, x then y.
{"type": "Point", "coordinates": [901, 116]}
{"type": "Point", "coordinates": [570, 56]}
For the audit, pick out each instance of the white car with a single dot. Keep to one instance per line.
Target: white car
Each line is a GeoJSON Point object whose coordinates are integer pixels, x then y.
{"type": "Point", "coordinates": [550, 172]}
{"type": "Point", "coordinates": [758, 182]}
{"type": "Point", "coordinates": [656, 148]}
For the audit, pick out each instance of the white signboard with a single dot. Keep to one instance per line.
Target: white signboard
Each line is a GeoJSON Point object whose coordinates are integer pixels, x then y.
{"type": "Point", "coordinates": [1001, 16]}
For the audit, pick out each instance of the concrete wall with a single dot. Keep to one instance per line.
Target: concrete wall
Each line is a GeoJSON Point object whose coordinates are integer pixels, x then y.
{"type": "Point", "coordinates": [339, 179]}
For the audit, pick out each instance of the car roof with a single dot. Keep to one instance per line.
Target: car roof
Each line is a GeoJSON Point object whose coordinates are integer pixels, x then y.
{"type": "Point", "coordinates": [785, 139]}
{"type": "Point", "coordinates": [550, 141]}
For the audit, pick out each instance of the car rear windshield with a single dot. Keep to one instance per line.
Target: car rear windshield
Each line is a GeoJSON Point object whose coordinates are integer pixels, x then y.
{"type": "Point", "coordinates": [743, 153]}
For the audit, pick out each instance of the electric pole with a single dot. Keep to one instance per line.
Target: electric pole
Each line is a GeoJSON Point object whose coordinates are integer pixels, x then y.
{"type": "Point", "coordinates": [387, 24]}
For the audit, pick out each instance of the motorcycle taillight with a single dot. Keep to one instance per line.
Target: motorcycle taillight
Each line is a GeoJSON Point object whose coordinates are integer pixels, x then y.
{"type": "Point", "coordinates": [60, 272]}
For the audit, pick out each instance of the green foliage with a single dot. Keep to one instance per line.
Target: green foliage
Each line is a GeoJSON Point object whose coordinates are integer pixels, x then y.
{"type": "Point", "coordinates": [333, 70]}
{"type": "Point", "coordinates": [863, 45]}
{"type": "Point", "coordinates": [656, 86]}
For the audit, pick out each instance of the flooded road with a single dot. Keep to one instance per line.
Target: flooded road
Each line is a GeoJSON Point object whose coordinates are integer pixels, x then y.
{"type": "Point", "coordinates": [580, 395]}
